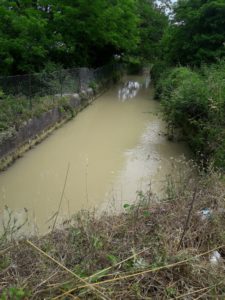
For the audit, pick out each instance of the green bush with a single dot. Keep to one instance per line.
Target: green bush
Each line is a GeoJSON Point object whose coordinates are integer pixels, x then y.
{"type": "Point", "coordinates": [170, 80]}
{"type": "Point", "coordinates": [194, 101]}
{"type": "Point", "coordinates": [159, 67]}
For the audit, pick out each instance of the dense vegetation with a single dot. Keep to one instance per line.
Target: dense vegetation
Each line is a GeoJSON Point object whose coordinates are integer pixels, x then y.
{"type": "Point", "coordinates": [190, 77]}
{"type": "Point", "coordinates": [196, 33]}
{"type": "Point", "coordinates": [40, 34]}
{"type": "Point", "coordinates": [194, 101]}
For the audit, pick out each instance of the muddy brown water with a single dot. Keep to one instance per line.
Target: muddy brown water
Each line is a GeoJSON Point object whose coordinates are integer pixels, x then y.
{"type": "Point", "coordinates": [114, 148]}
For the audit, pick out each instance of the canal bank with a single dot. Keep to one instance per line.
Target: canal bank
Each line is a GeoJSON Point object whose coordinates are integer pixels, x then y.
{"type": "Point", "coordinates": [14, 143]}
{"type": "Point", "coordinates": [114, 147]}
{"type": "Point", "coordinates": [145, 252]}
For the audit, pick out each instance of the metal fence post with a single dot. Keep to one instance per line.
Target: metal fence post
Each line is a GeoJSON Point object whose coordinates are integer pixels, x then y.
{"type": "Point", "coordinates": [75, 80]}
{"type": "Point", "coordinates": [30, 92]}
{"type": "Point", "coordinates": [79, 80]}
{"type": "Point", "coordinates": [60, 80]}
{"type": "Point", "coordinates": [52, 84]}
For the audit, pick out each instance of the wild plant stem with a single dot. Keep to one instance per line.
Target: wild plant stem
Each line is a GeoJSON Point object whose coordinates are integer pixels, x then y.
{"type": "Point", "coordinates": [86, 179]}
{"type": "Point", "coordinates": [60, 202]}
{"type": "Point", "coordinates": [188, 219]}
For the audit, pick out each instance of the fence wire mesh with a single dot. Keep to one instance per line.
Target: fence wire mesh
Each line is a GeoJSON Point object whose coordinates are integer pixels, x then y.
{"type": "Point", "coordinates": [24, 96]}
{"type": "Point", "coordinates": [59, 83]}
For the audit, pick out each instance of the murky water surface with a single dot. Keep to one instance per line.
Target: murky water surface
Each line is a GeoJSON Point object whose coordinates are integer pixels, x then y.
{"type": "Point", "coordinates": [113, 148]}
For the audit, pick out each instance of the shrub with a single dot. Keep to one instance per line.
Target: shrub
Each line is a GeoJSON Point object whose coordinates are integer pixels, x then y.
{"type": "Point", "coordinates": [194, 101]}
{"type": "Point", "coordinates": [158, 69]}
{"type": "Point", "coordinates": [171, 79]}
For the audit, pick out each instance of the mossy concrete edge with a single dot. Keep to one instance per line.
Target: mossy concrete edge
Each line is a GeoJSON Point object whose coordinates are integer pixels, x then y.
{"type": "Point", "coordinates": [82, 100]}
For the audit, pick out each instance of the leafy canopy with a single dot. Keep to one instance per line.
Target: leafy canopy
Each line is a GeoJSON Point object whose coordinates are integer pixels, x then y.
{"type": "Point", "coordinates": [197, 32]}
{"type": "Point", "coordinates": [38, 34]}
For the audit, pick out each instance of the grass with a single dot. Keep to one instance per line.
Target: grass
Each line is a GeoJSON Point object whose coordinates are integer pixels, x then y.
{"type": "Point", "coordinates": [153, 250]}
{"type": "Point", "coordinates": [14, 112]}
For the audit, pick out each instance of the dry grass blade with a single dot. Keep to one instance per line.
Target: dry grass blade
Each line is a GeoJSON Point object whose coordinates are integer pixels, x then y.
{"type": "Point", "coordinates": [5, 250]}
{"type": "Point", "coordinates": [194, 292]}
{"type": "Point", "coordinates": [69, 271]}
{"type": "Point", "coordinates": [207, 289]}
{"type": "Point", "coordinates": [117, 264]}
{"type": "Point", "coordinates": [102, 271]}
{"type": "Point", "coordinates": [142, 273]}
{"type": "Point", "coordinates": [46, 280]}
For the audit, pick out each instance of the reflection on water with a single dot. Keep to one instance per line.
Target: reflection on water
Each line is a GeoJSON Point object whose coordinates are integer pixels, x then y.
{"type": "Point", "coordinates": [130, 88]}
{"type": "Point", "coordinates": [147, 81]}
{"type": "Point", "coordinates": [111, 145]}
{"type": "Point", "coordinates": [146, 166]}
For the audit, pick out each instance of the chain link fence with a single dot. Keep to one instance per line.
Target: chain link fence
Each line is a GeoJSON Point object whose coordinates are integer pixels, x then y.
{"type": "Point", "coordinates": [55, 84]}
{"type": "Point", "coordinates": [24, 96]}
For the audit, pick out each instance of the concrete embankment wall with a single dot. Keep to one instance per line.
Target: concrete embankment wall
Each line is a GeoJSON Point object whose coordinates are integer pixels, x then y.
{"type": "Point", "coordinates": [36, 129]}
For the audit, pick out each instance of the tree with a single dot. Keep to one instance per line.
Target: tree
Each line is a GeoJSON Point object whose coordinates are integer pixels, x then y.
{"type": "Point", "coordinates": [68, 33]}
{"type": "Point", "coordinates": [73, 33]}
{"type": "Point", "coordinates": [197, 32]}
{"type": "Point", "coordinates": [92, 31]}
{"type": "Point", "coordinates": [153, 22]}
{"type": "Point", "coordinates": [22, 38]}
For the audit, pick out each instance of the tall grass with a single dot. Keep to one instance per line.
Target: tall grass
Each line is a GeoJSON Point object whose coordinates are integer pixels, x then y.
{"type": "Point", "coordinates": [194, 101]}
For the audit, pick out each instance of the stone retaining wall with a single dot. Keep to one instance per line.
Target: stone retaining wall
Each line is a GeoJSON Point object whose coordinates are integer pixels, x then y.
{"type": "Point", "coordinates": [36, 129]}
